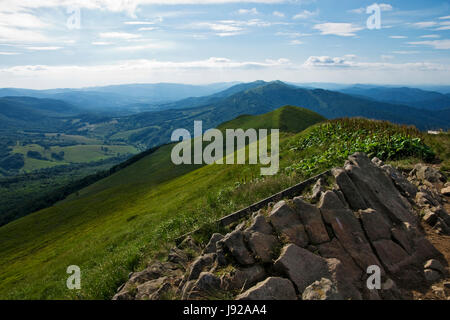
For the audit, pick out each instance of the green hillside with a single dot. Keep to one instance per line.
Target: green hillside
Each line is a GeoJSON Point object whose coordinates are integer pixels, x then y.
{"type": "Point", "coordinates": [116, 224]}
{"type": "Point", "coordinates": [287, 119]}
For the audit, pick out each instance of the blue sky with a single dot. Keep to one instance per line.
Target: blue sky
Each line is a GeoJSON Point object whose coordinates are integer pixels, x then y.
{"type": "Point", "coordinates": [43, 44]}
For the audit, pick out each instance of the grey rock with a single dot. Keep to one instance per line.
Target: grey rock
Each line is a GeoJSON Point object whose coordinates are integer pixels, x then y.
{"type": "Point", "coordinates": [334, 249]}
{"type": "Point", "coordinates": [317, 189]}
{"type": "Point", "coordinates": [234, 242]}
{"type": "Point", "coordinates": [426, 173]}
{"type": "Point", "coordinates": [431, 275]}
{"type": "Point", "coordinates": [272, 288]}
{"type": "Point", "coordinates": [375, 225]}
{"type": "Point", "coordinates": [403, 185]}
{"type": "Point", "coordinates": [200, 264]}
{"type": "Point", "coordinates": [312, 220]}
{"type": "Point", "coordinates": [287, 223]}
{"type": "Point", "coordinates": [348, 230]}
{"type": "Point", "coordinates": [301, 266]}
{"type": "Point", "coordinates": [435, 265]}
{"type": "Point", "coordinates": [262, 245]}
{"type": "Point", "coordinates": [430, 217]}
{"type": "Point", "coordinates": [146, 289]}
{"type": "Point", "coordinates": [401, 236]}
{"type": "Point", "coordinates": [260, 225]}
{"type": "Point", "coordinates": [378, 190]}
{"type": "Point", "coordinates": [211, 246]}
{"type": "Point", "coordinates": [348, 188]}
{"type": "Point", "coordinates": [321, 290]}
{"type": "Point", "coordinates": [243, 278]}
{"type": "Point", "coordinates": [390, 253]}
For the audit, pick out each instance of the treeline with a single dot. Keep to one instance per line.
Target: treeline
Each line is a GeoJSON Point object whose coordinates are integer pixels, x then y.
{"type": "Point", "coordinates": [50, 198]}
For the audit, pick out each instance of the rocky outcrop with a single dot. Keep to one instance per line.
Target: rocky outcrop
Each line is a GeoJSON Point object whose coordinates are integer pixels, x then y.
{"type": "Point", "coordinates": [316, 246]}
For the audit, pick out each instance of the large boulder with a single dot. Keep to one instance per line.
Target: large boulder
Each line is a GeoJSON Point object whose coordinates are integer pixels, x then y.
{"type": "Point", "coordinates": [348, 188]}
{"type": "Point", "coordinates": [312, 220]}
{"type": "Point", "coordinates": [348, 230]}
{"type": "Point", "coordinates": [200, 264]}
{"type": "Point", "coordinates": [378, 190]}
{"type": "Point", "coordinates": [260, 224]}
{"type": "Point", "coordinates": [262, 245]}
{"type": "Point", "coordinates": [301, 266]}
{"type": "Point", "coordinates": [146, 289]}
{"type": "Point", "coordinates": [391, 254]}
{"type": "Point", "coordinates": [375, 225]}
{"type": "Point", "coordinates": [334, 249]}
{"type": "Point", "coordinates": [242, 278]}
{"type": "Point", "coordinates": [235, 244]}
{"type": "Point", "coordinates": [288, 224]}
{"type": "Point", "coordinates": [272, 288]}
{"type": "Point", "coordinates": [211, 247]}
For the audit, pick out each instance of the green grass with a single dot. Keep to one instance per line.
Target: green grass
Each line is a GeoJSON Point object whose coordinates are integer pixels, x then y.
{"type": "Point", "coordinates": [117, 224]}
{"type": "Point", "coordinates": [72, 154]}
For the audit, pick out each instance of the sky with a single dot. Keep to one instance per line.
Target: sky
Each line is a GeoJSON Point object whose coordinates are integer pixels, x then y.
{"type": "Point", "coordinates": [80, 43]}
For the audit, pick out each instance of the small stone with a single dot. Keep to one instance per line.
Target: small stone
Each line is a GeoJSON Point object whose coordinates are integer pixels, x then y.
{"type": "Point", "coordinates": [445, 191]}
{"type": "Point", "coordinates": [321, 290]}
{"type": "Point", "coordinates": [435, 265]}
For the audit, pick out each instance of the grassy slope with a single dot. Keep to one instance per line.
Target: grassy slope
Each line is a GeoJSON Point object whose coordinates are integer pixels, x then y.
{"type": "Point", "coordinates": [112, 226]}
{"type": "Point", "coordinates": [107, 226]}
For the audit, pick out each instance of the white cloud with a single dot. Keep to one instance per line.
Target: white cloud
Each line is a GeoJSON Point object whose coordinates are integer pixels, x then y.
{"type": "Point", "coordinates": [147, 29]}
{"type": "Point", "coordinates": [3, 53]}
{"type": "Point", "coordinates": [437, 44]}
{"type": "Point", "coordinates": [292, 34]}
{"type": "Point", "coordinates": [128, 6]}
{"type": "Point", "coordinates": [405, 52]}
{"type": "Point", "coordinates": [21, 20]}
{"type": "Point", "coordinates": [430, 36]}
{"type": "Point", "coordinates": [387, 57]}
{"type": "Point", "coordinates": [445, 25]}
{"type": "Point", "coordinates": [150, 44]}
{"type": "Point", "coordinates": [305, 14]}
{"type": "Point", "coordinates": [338, 29]}
{"type": "Point", "coordinates": [445, 18]}
{"type": "Point", "coordinates": [227, 28]}
{"type": "Point", "coordinates": [398, 37]}
{"type": "Point", "coordinates": [278, 14]}
{"type": "Point", "coordinates": [326, 61]}
{"type": "Point", "coordinates": [101, 43]}
{"type": "Point", "coordinates": [44, 48]}
{"type": "Point", "coordinates": [424, 24]}
{"type": "Point", "coordinates": [139, 23]}
{"type": "Point", "coordinates": [15, 35]}
{"type": "Point", "coordinates": [119, 35]}
{"type": "Point", "coordinates": [248, 11]}
{"type": "Point", "coordinates": [296, 42]}
{"type": "Point", "coordinates": [383, 7]}
{"type": "Point", "coordinates": [344, 69]}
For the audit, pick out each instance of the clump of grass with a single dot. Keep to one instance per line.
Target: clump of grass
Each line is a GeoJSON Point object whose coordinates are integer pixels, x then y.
{"type": "Point", "coordinates": [335, 140]}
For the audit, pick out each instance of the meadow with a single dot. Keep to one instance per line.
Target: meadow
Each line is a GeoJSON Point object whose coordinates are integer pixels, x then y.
{"type": "Point", "coordinates": [119, 223]}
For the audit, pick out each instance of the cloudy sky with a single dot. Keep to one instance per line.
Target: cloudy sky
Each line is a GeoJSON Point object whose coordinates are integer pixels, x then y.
{"type": "Point", "coordinates": [76, 43]}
